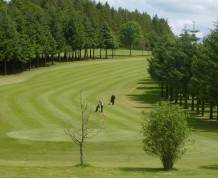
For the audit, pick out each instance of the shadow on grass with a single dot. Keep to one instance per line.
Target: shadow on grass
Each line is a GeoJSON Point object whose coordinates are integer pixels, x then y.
{"type": "Point", "coordinates": [150, 94]}
{"type": "Point", "coordinates": [150, 97]}
{"type": "Point", "coordinates": [144, 107]}
{"type": "Point", "coordinates": [143, 170]}
{"type": "Point", "coordinates": [200, 125]}
{"type": "Point", "coordinates": [146, 82]}
{"type": "Point", "coordinates": [84, 166]}
{"type": "Point", "coordinates": [148, 88]}
{"type": "Point", "coordinates": [211, 167]}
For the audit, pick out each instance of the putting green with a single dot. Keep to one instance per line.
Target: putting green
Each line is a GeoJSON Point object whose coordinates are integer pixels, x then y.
{"type": "Point", "coordinates": [58, 135]}
{"type": "Point", "coordinates": [37, 106]}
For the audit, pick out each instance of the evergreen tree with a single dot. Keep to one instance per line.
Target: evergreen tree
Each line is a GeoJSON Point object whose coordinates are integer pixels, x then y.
{"type": "Point", "coordinates": [44, 29]}
{"type": "Point", "coordinates": [106, 38]}
{"type": "Point", "coordinates": [211, 44]}
{"type": "Point", "coordinates": [129, 34]}
{"type": "Point", "coordinates": [74, 35]}
{"type": "Point", "coordinates": [8, 38]}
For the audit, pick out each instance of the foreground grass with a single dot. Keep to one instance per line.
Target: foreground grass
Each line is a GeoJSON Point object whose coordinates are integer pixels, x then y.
{"type": "Point", "coordinates": [36, 106]}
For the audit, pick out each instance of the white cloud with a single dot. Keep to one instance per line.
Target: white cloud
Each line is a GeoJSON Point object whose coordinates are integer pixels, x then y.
{"type": "Point", "coordinates": [178, 12]}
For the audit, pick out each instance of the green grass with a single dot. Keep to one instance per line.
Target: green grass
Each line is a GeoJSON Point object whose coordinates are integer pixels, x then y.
{"type": "Point", "coordinates": [36, 106]}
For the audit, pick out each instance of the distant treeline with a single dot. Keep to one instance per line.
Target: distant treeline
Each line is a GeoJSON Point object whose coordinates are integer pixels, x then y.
{"type": "Point", "coordinates": [35, 32]}
{"type": "Point", "coordinates": [187, 70]}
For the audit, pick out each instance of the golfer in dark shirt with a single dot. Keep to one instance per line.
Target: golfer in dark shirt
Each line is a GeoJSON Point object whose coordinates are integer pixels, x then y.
{"type": "Point", "coordinates": [113, 97]}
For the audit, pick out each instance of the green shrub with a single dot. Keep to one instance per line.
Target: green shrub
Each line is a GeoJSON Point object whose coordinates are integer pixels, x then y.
{"type": "Point", "coordinates": [165, 133]}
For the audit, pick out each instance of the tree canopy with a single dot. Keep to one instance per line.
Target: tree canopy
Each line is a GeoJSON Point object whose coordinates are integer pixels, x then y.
{"type": "Point", "coordinates": [129, 34]}
{"type": "Point", "coordinates": [165, 133]}
{"type": "Point", "coordinates": [187, 68]}
{"type": "Point", "coordinates": [44, 30]}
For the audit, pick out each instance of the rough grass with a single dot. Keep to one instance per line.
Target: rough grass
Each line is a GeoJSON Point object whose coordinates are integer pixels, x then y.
{"type": "Point", "coordinates": [36, 106]}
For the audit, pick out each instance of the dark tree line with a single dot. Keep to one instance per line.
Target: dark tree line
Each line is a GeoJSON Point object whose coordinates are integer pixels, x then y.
{"type": "Point", "coordinates": [35, 33]}
{"type": "Point", "coordinates": [187, 70]}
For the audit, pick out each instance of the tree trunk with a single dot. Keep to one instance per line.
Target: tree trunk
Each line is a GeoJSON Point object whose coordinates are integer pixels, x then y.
{"type": "Point", "coordinates": [211, 110]}
{"type": "Point", "coordinates": [48, 58]}
{"type": "Point", "coordinates": [85, 53]}
{"type": "Point", "coordinates": [167, 91]}
{"type": "Point", "coordinates": [59, 57]}
{"type": "Point", "coordinates": [65, 55]}
{"type": "Point", "coordinates": [217, 113]}
{"type": "Point", "coordinates": [171, 94]}
{"type": "Point", "coordinates": [176, 95]}
{"type": "Point", "coordinates": [193, 103]}
{"type": "Point", "coordinates": [52, 58]}
{"type": "Point", "coordinates": [90, 53]}
{"type": "Point", "coordinates": [167, 162]}
{"type": "Point", "coordinates": [30, 65]}
{"type": "Point", "coordinates": [81, 154]}
{"type": "Point", "coordinates": [37, 61]}
{"type": "Point", "coordinates": [203, 108]}
{"type": "Point", "coordinates": [80, 53]}
{"type": "Point", "coordinates": [5, 67]}
{"type": "Point", "coordinates": [198, 106]}
{"type": "Point", "coordinates": [45, 60]}
{"type": "Point", "coordinates": [186, 99]}
{"type": "Point", "coordinates": [73, 55]}
{"type": "Point", "coordinates": [100, 53]}
{"type": "Point", "coordinates": [162, 89]}
{"type": "Point", "coordinates": [130, 50]}
{"type": "Point", "coordinates": [13, 67]}
{"type": "Point", "coordinates": [93, 53]}
{"type": "Point", "coordinates": [180, 96]}
{"type": "Point", "coordinates": [22, 66]}
{"type": "Point", "coordinates": [186, 102]}
{"type": "Point", "coordinates": [112, 53]}
{"type": "Point", "coordinates": [106, 56]}
{"type": "Point", "coordinates": [70, 56]}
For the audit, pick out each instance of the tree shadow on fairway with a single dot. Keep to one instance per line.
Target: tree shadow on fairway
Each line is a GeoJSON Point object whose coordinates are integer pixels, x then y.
{"type": "Point", "coordinates": [143, 170]}
{"type": "Point", "coordinates": [199, 125]}
{"type": "Point", "coordinates": [211, 167]}
{"type": "Point", "coordinates": [145, 82]}
{"type": "Point", "coordinates": [144, 107]}
{"type": "Point", "coordinates": [150, 97]}
{"type": "Point", "coordinates": [148, 90]}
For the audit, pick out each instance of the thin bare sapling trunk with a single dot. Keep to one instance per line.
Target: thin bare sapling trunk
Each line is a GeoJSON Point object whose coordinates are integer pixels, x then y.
{"type": "Point", "coordinates": [80, 136]}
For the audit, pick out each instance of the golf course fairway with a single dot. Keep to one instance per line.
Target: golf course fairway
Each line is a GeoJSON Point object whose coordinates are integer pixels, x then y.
{"type": "Point", "coordinates": [37, 106]}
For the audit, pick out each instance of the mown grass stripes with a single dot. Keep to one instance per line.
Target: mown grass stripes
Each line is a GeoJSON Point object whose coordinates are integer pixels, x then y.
{"type": "Point", "coordinates": [39, 104]}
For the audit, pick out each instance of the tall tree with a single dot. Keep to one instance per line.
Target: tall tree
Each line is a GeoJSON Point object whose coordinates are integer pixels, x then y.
{"type": "Point", "coordinates": [74, 34]}
{"type": "Point", "coordinates": [106, 39]}
{"type": "Point", "coordinates": [8, 38]}
{"type": "Point", "coordinates": [53, 27]}
{"type": "Point", "coordinates": [211, 43]}
{"type": "Point", "coordinates": [129, 34]}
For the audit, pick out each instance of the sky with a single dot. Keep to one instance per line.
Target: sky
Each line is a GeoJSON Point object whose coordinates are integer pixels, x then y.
{"type": "Point", "coordinates": [179, 13]}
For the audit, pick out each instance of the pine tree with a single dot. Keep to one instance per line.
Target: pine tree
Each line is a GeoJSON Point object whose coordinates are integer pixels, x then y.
{"type": "Point", "coordinates": [8, 38]}
{"type": "Point", "coordinates": [106, 38]}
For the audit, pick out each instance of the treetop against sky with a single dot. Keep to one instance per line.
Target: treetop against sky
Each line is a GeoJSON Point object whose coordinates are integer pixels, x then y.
{"type": "Point", "coordinates": [178, 12]}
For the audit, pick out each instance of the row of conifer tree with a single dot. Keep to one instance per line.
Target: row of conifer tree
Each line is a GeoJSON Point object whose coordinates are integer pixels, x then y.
{"type": "Point", "coordinates": [37, 32]}
{"type": "Point", "coordinates": [187, 71]}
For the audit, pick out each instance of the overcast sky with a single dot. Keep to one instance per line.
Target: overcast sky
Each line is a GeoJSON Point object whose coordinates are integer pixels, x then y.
{"type": "Point", "coordinates": [178, 12]}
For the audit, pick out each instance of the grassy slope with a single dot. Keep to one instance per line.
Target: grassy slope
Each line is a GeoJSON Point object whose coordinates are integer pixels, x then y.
{"type": "Point", "coordinates": [35, 107]}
